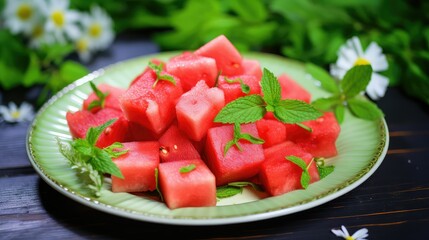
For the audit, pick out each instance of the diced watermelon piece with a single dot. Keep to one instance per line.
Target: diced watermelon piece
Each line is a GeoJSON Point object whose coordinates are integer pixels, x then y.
{"type": "Point", "coordinates": [279, 175]}
{"type": "Point", "coordinates": [292, 89]}
{"type": "Point", "coordinates": [111, 100]}
{"type": "Point", "coordinates": [233, 90]}
{"type": "Point", "coordinates": [272, 131]}
{"type": "Point", "coordinates": [321, 141]}
{"type": "Point", "coordinates": [137, 166]}
{"type": "Point", "coordinates": [175, 146]}
{"type": "Point", "coordinates": [151, 107]}
{"type": "Point", "coordinates": [236, 165]}
{"type": "Point", "coordinates": [191, 68]}
{"type": "Point", "coordinates": [80, 121]}
{"type": "Point", "coordinates": [228, 58]}
{"type": "Point", "coordinates": [196, 188]}
{"type": "Point", "coordinates": [196, 111]}
{"type": "Point", "coordinates": [137, 132]}
{"type": "Point", "coordinates": [252, 67]}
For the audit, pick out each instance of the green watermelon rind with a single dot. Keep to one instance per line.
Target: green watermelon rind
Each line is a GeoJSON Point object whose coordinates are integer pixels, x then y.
{"type": "Point", "coordinates": [362, 146]}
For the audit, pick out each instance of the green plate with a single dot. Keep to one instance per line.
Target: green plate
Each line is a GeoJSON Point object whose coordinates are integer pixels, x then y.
{"type": "Point", "coordinates": [362, 146]}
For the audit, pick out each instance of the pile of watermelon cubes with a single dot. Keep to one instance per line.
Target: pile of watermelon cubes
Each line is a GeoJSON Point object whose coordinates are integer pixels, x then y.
{"type": "Point", "coordinates": [169, 126]}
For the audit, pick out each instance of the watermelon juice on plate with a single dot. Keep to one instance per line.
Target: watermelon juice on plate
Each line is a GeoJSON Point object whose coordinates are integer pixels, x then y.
{"type": "Point", "coordinates": [166, 109]}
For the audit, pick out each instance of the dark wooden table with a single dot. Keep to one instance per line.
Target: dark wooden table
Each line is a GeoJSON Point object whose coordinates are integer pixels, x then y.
{"type": "Point", "coordinates": [393, 203]}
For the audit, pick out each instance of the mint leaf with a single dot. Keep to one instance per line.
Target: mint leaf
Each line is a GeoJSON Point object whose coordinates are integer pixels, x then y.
{"type": "Point", "coordinates": [238, 135]}
{"type": "Point", "coordinates": [187, 168]}
{"type": "Point", "coordinates": [113, 150]}
{"type": "Point", "coordinates": [305, 176]}
{"type": "Point", "coordinates": [158, 70]}
{"type": "Point", "coordinates": [244, 87]}
{"type": "Point", "coordinates": [364, 109]}
{"type": "Point", "coordinates": [234, 188]}
{"type": "Point", "coordinates": [298, 161]}
{"type": "Point", "coordinates": [326, 81]}
{"type": "Point", "coordinates": [101, 97]}
{"type": "Point", "coordinates": [324, 104]}
{"type": "Point", "coordinates": [295, 111]}
{"type": "Point", "coordinates": [325, 170]}
{"type": "Point", "coordinates": [102, 162]}
{"type": "Point", "coordinates": [356, 80]}
{"type": "Point", "coordinates": [242, 110]}
{"type": "Point", "coordinates": [305, 179]}
{"type": "Point", "coordinates": [339, 112]}
{"type": "Point", "coordinates": [270, 88]}
{"type": "Point", "coordinates": [94, 132]}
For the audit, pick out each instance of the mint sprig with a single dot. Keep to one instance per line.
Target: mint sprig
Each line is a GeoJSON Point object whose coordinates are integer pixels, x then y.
{"type": "Point", "coordinates": [253, 107]}
{"type": "Point", "coordinates": [187, 168]}
{"type": "Point", "coordinates": [238, 135]}
{"type": "Point", "coordinates": [346, 93]}
{"type": "Point", "coordinates": [100, 95]}
{"type": "Point", "coordinates": [244, 87]}
{"type": "Point", "coordinates": [84, 156]}
{"type": "Point", "coordinates": [159, 76]}
{"type": "Point", "coordinates": [234, 188]}
{"type": "Point", "coordinates": [324, 170]}
{"type": "Point", "coordinates": [305, 176]}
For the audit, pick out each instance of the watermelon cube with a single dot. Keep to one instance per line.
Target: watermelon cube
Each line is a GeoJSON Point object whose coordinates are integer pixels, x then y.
{"type": "Point", "coordinates": [228, 58]}
{"type": "Point", "coordinates": [191, 68]}
{"type": "Point", "coordinates": [196, 188]}
{"type": "Point", "coordinates": [137, 166]}
{"type": "Point", "coordinates": [80, 121]}
{"type": "Point", "coordinates": [147, 68]}
{"type": "Point", "coordinates": [292, 89]}
{"type": "Point", "coordinates": [233, 90]}
{"type": "Point", "coordinates": [111, 100]}
{"type": "Point", "coordinates": [176, 146]}
{"type": "Point", "coordinates": [279, 175]}
{"type": "Point", "coordinates": [236, 165]}
{"type": "Point", "coordinates": [252, 67]}
{"type": "Point", "coordinates": [272, 131]}
{"type": "Point", "coordinates": [320, 142]}
{"type": "Point", "coordinates": [149, 106]}
{"type": "Point", "coordinates": [196, 110]}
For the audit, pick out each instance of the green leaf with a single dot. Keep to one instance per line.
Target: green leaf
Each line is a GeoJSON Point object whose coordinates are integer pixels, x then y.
{"type": "Point", "coordinates": [187, 168]}
{"type": "Point", "coordinates": [228, 191]}
{"type": "Point", "coordinates": [298, 161]}
{"type": "Point", "coordinates": [305, 179]}
{"type": "Point", "coordinates": [364, 109]}
{"type": "Point", "coordinates": [82, 146]}
{"type": "Point", "coordinates": [250, 11]}
{"type": "Point", "coordinates": [33, 74]}
{"type": "Point", "coordinates": [114, 150]}
{"type": "Point", "coordinates": [242, 110]}
{"type": "Point", "coordinates": [71, 71]}
{"type": "Point", "coordinates": [295, 111]}
{"type": "Point", "coordinates": [325, 170]}
{"type": "Point", "coordinates": [102, 162]}
{"type": "Point", "coordinates": [270, 88]}
{"type": "Point", "coordinates": [101, 97]}
{"type": "Point", "coordinates": [94, 132]}
{"type": "Point", "coordinates": [327, 82]}
{"type": "Point", "coordinates": [339, 112]}
{"type": "Point", "coordinates": [238, 135]}
{"type": "Point", "coordinates": [356, 80]}
{"type": "Point", "coordinates": [324, 104]}
{"type": "Point", "coordinates": [57, 52]}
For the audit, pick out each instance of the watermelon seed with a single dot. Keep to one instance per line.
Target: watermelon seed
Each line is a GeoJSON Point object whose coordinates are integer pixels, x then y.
{"type": "Point", "coordinates": [163, 150]}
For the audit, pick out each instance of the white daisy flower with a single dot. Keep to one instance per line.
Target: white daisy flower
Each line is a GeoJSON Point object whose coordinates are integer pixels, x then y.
{"type": "Point", "coordinates": [352, 54]}
{"type": "Point", "coordinates": [20, 15]}
{"type": "Point", "coordinates": [83, 48]}
{"type": "Point", "coordinates": [361, 234]}
{"type": "Point", "coordinates": [98, 28]}
{"type": "Point", "coordinates": [60, 20]}
{"type": "Point", "coordinates": [38, 36]}
{"type": "Point", "coordinates": [14, 114]}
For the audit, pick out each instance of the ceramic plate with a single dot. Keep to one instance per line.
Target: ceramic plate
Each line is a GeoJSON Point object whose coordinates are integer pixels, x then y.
{"type": "Point", "coordinates": [362, 146]}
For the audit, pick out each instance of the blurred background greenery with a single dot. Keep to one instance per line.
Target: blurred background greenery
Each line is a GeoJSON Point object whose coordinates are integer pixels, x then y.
{"type": "Point", "coordinates": [305, 30]}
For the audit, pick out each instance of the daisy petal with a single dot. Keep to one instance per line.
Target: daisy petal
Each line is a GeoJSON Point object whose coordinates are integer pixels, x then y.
{"type": "Point", "coordinates": [338, 233]}
{"type": "Point", "coordinates": [345, 230]}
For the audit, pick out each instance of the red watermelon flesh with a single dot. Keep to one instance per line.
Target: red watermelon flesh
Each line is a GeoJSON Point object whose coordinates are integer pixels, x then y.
{"type": "Point", "coordinates": [137, 166]}
{"type": "Point", "coordinates": [292, 89]}
{"type": "Point", "coordinates": [151, 107]}
{"type": "Point", "coordinates": [321, 142]}
{"type": "Point", "coordinates": [272, 131]}
{"type": "Point", "coordinates": [236, 165]}
{"type": "Point", "coordinates": [191, 68]}
{"type": "Point", "coordinates": [279, 175]}
{"type": "Point", "coordinates": [137, 132]}
{"type": "Point", "coordinates": [196, 188]}
{"type": "Point", "coordinates": [252, 67]}
{"type": "Point", "coordinates": [228, 58]}
{"type": "Point", "coordinates": [175, 146]}
{"type": "Point", "coordinates": [233, 90]}
{"type": "Point", "coordinates": [196, 111]}
{"type": "Point", "coordinates": [111, 100]}
{"type": "Point", "coordinates": [80, 121]}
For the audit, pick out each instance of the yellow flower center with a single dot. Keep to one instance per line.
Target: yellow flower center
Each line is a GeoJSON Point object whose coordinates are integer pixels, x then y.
{"type": "Point", "coordinates": [24, 12]}
{"type": "Point", "coordinates": [37, 31]}
{"type": "Point", "coordinates": [82, 45]}
{"type": "Point", "coordinates": [15, 114]}
{"type": "Point", "coordinates": [361, 61]}
{"type": "Point", "coordinates": [349, 238]}
{"type": "Point", "coordinates": [95, 30]}
{"type": "Point", "coordinates": [58, 18]}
